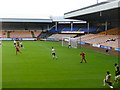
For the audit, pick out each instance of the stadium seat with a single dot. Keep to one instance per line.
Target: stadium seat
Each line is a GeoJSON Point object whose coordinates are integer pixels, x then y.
{"type": "Point", "coordinates": [20, 34]}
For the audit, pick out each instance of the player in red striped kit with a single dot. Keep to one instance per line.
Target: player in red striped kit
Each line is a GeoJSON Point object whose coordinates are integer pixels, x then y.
{"type": "Point", "coordinates": [18, 50]}
{"type": "Point", "coordinates": [83, 57]}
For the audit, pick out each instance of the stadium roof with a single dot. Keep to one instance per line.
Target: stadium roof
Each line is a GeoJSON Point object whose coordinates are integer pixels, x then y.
{"type": "Point", "coordinates": [25, 20]}
{"type": "Point", "coordinates": [52, 19]}
{"type": "Point", "coordinates": [103, 11]}
{"type": "Point", "coordinates": [61, 19]}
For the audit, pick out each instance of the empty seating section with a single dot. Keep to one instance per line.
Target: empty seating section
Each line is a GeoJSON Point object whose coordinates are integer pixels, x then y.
{"type": "Point", "coordinates": [20, 34]}
{"type": "Point", "coordinates": [3, 34]}
{"type": "Point", "coordinates": [59, 36]}
{"type": "Point", "coordinates": [78, 28]}
{"type": "Point", "coordinates": [88, 37]}
{"type": "Point", "coordinates": [100, 39]}
{"type": "Point", "coordinates": [114, 44]}
{"type": "Point", "coordinates": [36, 33]}
{"type": "Point", "coordinates": [85, 29]}
{"type": "Point", "coordinates": [73, 29]}
{"type": "Point", "coordinates": [115, 31]}
{"type": "Point", "coordinates": [84, 36]}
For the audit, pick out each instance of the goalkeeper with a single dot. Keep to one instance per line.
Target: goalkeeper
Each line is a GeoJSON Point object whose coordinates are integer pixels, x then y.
{"type": "Point", "coordinates": [69, 45]}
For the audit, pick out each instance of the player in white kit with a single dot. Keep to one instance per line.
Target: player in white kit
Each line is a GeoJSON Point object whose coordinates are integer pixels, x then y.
{"type": "Point", "coordinates": [53, 53]}
{"type": "Point", "coordinates": [108, 79]}
{"type": "Point", "coordinates": [15, 43]}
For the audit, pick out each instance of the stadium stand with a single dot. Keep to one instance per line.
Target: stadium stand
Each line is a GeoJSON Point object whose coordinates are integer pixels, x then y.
{"type": "Point", "coordinates": [75, 28]}
{"type": "Point", "coordinates": [36, 33]}
{"type": "Point", "coordinates": [100, 39]}
{"type": "Point", "coordinates": [88, 37]}
{"type": "Point", "coordinates": [44, 34]}
{"type": "Point", "coordinates": [107, 38]}
{"type": "Point", "coordinates": [54, 29]}
{"type": "Point", "coordinates": [20, 34]}
{"type": "Point", "coordinates": [114, 44]}
{"type": "Point", "coordinates": [69, 29]}
{"type": "Point", "coordinates": [85, 29]}
{"type": "Point", "coordinates": [114, 31]}
{"type": "Point", "coordinates": [3, 34]}
{"type": "Point", "coordinates": [59, 36]}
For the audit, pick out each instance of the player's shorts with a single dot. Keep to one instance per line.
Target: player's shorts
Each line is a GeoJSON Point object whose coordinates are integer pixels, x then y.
{"type": "Point", "coordinates": [117, 77]}
{"type": "Point", "coordinates": [21, 45]}
{"type": "Point", "coordinates": [14, 43]}
{"type": "Point", "coordinates": [17, 50]}
{"type": "Point", "coordinates": [108, 82]}
{"type": "Point", "coordinates": [83, 57]}
{"type": "Point", "coordinates": [53, 54]}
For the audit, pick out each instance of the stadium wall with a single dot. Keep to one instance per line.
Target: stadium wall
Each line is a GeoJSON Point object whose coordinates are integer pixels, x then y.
{"type": "Point", "coordinates": [100, 46]}
{"type": "Point", "coordinates": [20, 39]}
{"type": "Point", "coordinates": [112, 51]}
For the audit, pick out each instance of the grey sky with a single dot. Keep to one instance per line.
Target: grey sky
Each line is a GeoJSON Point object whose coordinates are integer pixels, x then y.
{"type": "Point", "coordinates": [40, 8]}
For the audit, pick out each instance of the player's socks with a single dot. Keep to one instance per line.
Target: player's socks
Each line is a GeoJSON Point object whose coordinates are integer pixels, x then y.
{"type": "Point", "coordinates": [111, 86]}
{"type": "Point", "coordinates": [56, 57]}
{"type": "Point", "coordinates": [52, 57]}
{"type": "Point", "coordinates": [104, 82]}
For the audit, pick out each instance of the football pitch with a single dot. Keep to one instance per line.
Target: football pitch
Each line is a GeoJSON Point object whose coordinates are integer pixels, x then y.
{"type": "Point", "coordinates": [35, 68]}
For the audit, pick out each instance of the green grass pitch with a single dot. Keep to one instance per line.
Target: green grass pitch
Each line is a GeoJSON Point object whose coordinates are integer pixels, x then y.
{"type": "Point", "coordinates": [35, 68]}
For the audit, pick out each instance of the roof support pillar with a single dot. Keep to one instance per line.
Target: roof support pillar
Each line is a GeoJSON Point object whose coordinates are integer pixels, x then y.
{"type": "Point", "coordinates": [71, 26]}
{"type": "Point", "coordinates": [56, 26]}
{"type": "Point", "coordinates": [106, 26]}
{"type": "Point", "coordinates": [97, 1]}
{"type": "Point", "coordinates": [88, 25]}
{"type": "Point", "coordinates": [48, 27]}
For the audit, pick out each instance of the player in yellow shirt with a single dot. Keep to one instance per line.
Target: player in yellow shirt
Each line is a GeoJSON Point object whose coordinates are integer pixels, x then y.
{"type": "Point", "coordinates": [69, 45]}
